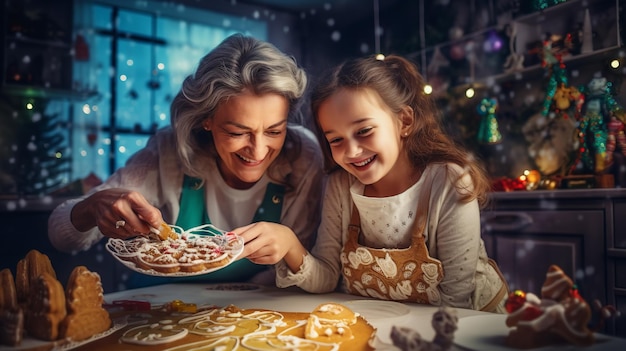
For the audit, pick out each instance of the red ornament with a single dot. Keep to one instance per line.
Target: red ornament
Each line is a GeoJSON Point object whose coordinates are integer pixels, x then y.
{"type": "Point", "coordinates": [574, 293]}
{"type": "Point", "coordinates": [515, 301]}
{"type": "Point", "coordinates": [508, 184]}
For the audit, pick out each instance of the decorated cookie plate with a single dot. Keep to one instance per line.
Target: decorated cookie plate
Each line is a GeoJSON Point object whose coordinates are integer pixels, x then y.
{"type": "Point", "coordinates": [488, 333]}
{"type": "Point", "coordinates": [191, 252]}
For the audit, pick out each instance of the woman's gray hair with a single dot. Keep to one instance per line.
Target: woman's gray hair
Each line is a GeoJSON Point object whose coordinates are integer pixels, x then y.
{"type": "Point", "coordinates": [238, 63]}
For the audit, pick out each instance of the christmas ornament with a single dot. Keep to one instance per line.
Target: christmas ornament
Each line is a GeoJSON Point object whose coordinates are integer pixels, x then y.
{"type": "Point", "coordinates": [515, 300]}
{"type": "Point", "coordinates": [508, 184]}
{"type": "Point", "coordinates": [488, 132]}
{"type": "Point", "coordinates": [493, 43]}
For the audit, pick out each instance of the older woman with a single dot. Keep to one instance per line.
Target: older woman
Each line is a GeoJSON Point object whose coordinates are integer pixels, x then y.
{"type": "Point", "coordinates": [230, 158]}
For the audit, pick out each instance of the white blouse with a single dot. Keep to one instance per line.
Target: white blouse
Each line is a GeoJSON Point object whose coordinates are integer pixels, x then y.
{"type": "Point", "coordinates": [386, 222]}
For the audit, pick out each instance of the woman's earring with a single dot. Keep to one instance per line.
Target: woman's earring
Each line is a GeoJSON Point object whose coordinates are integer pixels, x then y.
{"type": "Point", "coordinates": [406, 134]}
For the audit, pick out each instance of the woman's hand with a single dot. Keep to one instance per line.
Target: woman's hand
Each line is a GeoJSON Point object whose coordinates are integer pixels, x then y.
{"type": "Point", "coordinates": [268, 243]}
{"type": "Point", "coordinates": [118, 213]}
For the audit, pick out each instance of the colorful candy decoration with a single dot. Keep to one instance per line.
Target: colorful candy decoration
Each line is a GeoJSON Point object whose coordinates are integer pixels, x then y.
{"type": "Point", "coordinates": [516, 300]}
{"type": "Point", "coordinates": [574, 293]}
{"type": "Point", "coordinates": [180, 306]}
{"type": "Point", "coordinates": [601, 126]}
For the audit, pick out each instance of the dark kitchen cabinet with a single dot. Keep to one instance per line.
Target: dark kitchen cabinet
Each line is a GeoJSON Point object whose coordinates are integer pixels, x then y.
{"type": "Point", "coordinates": [582, 231]}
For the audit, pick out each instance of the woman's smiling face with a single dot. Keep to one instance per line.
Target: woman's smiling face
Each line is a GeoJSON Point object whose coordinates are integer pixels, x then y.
{"type": "Point", "coordinates": [249, 131]}
{"type": "Point", "coordinates": [364, 136]}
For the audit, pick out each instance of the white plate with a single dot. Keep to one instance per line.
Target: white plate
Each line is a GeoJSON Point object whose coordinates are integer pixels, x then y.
{"type": "Point", "coordinates": [123, 250]}
{"type": "Point", "coordinates": [378, 309]}
{"type": "Point", "coordinates": [488, 333]}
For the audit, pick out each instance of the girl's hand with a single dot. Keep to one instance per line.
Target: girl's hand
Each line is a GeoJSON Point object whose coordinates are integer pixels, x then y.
{"type": "Point", "coordinates": [118, 213]}
{"type": "Point", "coordinates": [268, 243]}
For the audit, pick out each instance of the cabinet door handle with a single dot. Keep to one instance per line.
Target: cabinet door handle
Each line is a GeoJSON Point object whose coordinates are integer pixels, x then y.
{"type": "Point", "coordinates": [505, 221]}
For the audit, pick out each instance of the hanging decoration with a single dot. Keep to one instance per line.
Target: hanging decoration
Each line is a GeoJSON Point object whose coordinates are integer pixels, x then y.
{"type": "Point", "coordinates": [488, 131]}
{"type": "Point", "coordinates": [81, 48]}
{"type": "Point", "coordinates": [154, 82]}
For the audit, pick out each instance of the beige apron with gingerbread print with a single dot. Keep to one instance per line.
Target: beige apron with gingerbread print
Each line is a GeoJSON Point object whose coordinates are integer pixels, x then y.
{"type": "Point", "coordinates": [410, 274]}
{"type": "Point", "coordinates": [407, 274]}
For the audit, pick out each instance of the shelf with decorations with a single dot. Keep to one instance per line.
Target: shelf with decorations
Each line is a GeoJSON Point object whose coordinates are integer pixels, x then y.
{"type": "Point", "coordinates": [39, 51]}
{"type": "Point", "coordinates": [513, 48]}
{"type": "Point", "coordinates": [514, 70]}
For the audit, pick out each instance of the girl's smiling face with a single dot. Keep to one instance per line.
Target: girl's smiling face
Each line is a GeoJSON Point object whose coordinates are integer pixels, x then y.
{"type": "Point", "coordinates": [365, 138]}
{"type": "Point", "coordinates": [249, 132]}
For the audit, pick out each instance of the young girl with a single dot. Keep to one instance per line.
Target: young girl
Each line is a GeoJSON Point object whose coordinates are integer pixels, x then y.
{"type": "Point", "coordinates": [400, 219]}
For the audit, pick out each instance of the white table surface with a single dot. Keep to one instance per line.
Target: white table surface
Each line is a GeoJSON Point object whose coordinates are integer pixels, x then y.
{"type": "Point", "coordinates": [291, 300]}
{"type": "Point", "coordinates": [380, 314]}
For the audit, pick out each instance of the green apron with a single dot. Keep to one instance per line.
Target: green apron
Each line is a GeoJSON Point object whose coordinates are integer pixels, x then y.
{"type": "Point", "coordinates": [193, 213]}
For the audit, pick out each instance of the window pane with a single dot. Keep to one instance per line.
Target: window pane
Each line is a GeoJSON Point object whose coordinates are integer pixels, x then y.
{"type": "Point", "coordinates": [168, 86]}
{"type": "Point", "coordinates": [135, 22]}
{"type": "Point", "coordinates": [90, 150]}
{"type": "Point", "coordinates": [134, 63]}
{"type": "Point", "coordinates": [207, 38]}
{"type": "Point", "coordinates": [173, 30]}
{"type": "Point", "coordinates": [102, 70]}
{"type": "Point", "coordinates": [101, 17]}
{"type": "Point", "coordinates": [127, 145]}
{"type": "Point", "coordinates": [146, 74]}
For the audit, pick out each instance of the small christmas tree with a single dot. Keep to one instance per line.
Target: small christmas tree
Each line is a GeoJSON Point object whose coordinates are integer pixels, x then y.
{"type": "Point", "coordinates": [32, 151]}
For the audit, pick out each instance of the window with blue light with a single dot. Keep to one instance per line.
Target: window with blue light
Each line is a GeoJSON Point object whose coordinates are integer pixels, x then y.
{"type": "Point", "coordinates": [136, 64]}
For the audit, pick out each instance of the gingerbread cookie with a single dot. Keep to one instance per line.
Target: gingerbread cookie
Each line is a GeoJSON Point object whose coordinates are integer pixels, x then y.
{"type": "Point", "coordinates": [29, 268]}
{"type": "Point", "coordinates": [11, 314]}
{"type": "Point", "coordinates": [330, 322]}
{"type": "Point", "coordinates": [46, 308]}
{"type": "Point", "coordinates": [85, 317]}
{"type": "Point", "coordinates": [559, 316]}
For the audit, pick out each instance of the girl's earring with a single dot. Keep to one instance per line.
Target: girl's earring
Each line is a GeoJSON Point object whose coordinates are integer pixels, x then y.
{"type": "Point", "coordinates": [406, 134]}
